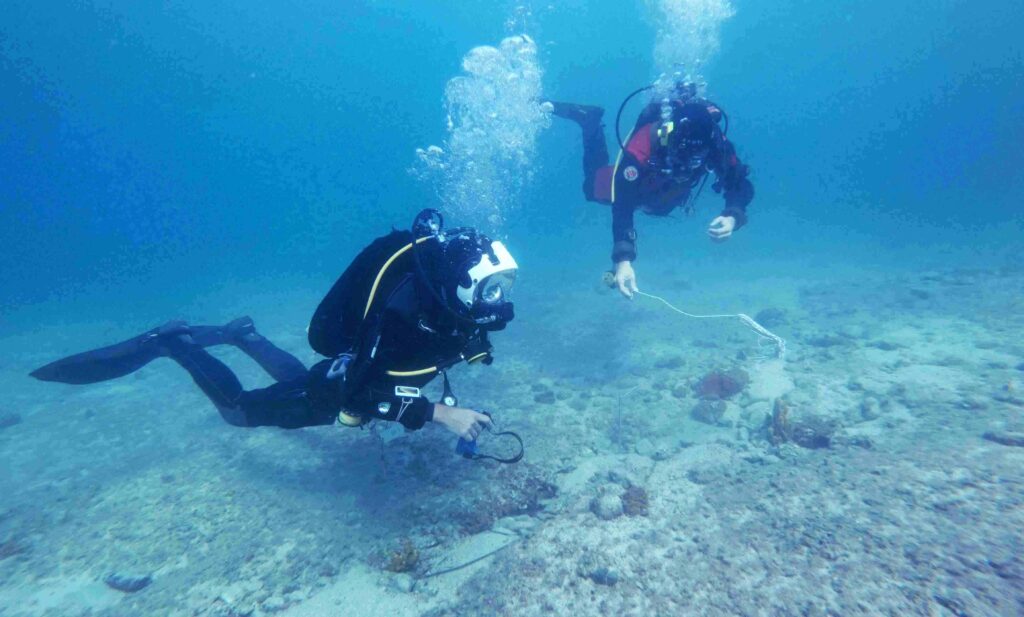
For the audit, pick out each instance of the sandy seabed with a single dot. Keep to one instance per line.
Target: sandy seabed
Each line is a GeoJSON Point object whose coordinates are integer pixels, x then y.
{"type": "Point", "coordinates": [878, 469]}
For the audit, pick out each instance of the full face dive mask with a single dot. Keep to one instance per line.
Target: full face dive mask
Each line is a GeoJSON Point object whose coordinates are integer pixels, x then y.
{"type": "Point", "coordinates": [486, 272]}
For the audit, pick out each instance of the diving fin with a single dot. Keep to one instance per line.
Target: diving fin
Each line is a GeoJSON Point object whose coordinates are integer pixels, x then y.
{"type": "Point", "coordinates": [112, 361]}
{"type": "Point", "coordinates": [587, 116]}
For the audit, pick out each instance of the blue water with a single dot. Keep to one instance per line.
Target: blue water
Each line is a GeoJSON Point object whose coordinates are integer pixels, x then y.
{"type": "Point", "coordinates": [143, 142]}
{"type": "Point", "coordinates": [205, 159]}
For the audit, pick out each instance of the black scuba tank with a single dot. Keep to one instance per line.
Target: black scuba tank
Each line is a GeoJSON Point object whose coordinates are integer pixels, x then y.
{"type": "Point", "coordinates": [337, 320]}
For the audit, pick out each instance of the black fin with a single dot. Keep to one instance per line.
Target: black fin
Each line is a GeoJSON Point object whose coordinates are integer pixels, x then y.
{"type": "Point", "coordinates": [112, 361]}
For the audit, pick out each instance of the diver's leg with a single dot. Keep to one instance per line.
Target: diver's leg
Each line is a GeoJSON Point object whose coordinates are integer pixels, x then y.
{"type": "Point", "coordinates": [278, 363]}
{"type": "Point", "coordinates": [286, 405]}
{"type": "Point", "coordinates": [241, 333]}
{"type": "Point", "coordinates": [212, 376]}
{"type": "Point", "coordinates": [595, 147]}
{"type": "Point", "coordinates": [283, 404]}
{"type": "Point", "coordinates": [595, 156]}
{"type": "Point", "coordinates": [110, 362]}
{"type": "Point", "coordinates": [580, 114]}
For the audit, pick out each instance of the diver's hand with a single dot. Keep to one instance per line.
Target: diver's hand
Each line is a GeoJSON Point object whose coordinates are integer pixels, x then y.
{"type": "Point", "coordinates": [465, 423]}
{"type": "Point", "coordinates": [625, 278]}
{"type": "Point", "coordinates": [721, 228]}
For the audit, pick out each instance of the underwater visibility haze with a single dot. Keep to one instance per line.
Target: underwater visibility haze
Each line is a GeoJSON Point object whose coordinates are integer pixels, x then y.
{"type": "Point", "coordinates": [817, 410]}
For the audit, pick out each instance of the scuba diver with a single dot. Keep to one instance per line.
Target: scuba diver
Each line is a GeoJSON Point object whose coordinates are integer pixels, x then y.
{"type": "Point", "coordinates": [663, 165]}
{"type": "Point", "coordinates": [410, 306]}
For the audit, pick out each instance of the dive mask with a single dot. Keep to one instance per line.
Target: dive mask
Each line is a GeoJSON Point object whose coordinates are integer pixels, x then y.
{"type": "Point", "coordinates": [491, 279]}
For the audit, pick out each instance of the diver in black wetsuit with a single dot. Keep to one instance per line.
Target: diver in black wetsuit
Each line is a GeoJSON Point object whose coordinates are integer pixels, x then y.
{"type": "Point", "coordinates": [663, 165]}
{"type": "Point", "coordinates": [410, 306]}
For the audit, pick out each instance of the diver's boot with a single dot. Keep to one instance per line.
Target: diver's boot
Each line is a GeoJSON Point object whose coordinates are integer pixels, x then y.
{"type": "Point", "coordinates": [112, 361]}
{"type": "Point", "coordinates": [241, 330]}
{"type": "Point", "coordinates": [231, 333]}
{"type": "Point", "coordinates": [278, 363]}
{"type": "Point", "coordinates": [241, 333]}
{"type": "Point", "coordinates": [587, 116]}
{"type": "Point", "coordinates": [213, 377]}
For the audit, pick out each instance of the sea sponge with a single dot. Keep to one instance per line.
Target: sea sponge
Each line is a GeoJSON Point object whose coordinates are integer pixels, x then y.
{"type": "Point", "coordinates": [812, 432]}
{"type": "Point", "coordinates": [404, 558]}
{"type": "Point", "coordinates": [722, 384]}
{"type": "Point", "coordinates": [635, 501]}
{"type": "Point", "coordinates": [807, 431]}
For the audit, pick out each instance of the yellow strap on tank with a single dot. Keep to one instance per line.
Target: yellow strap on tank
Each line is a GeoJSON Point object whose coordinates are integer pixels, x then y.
{"type": "Point", "coordinates": [618, 159]}
{"type": "Point", "coordinates": [383, 269]}
{"type": "Point", "coordinates": [433, 368]}
{"type": "Point", "coordinates": [349, 419]}
{"type": "Point", "coordinates": [422, 371]}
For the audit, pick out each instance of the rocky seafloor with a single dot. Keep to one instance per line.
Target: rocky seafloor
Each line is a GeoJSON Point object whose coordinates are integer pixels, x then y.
{"type": "Point", "coordinates": [673, 468]}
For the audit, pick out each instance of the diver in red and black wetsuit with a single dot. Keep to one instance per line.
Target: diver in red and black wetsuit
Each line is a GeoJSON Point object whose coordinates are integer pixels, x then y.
{"type": "Point", "coordinates": [663, 166]}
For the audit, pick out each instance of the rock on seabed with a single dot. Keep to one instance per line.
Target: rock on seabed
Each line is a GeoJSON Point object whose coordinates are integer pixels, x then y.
{"type": "Point", "coordinates": [128, 583]}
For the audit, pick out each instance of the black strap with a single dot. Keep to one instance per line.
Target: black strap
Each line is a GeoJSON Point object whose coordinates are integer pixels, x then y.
{"type": "Point", "coordinates": [506, 461]}
{"type": "Point", "coordinates": [618, 116]}
{"type": "Point", "coordinates": [448, 397]}
{"type": "Point", "coordinates": [474, 346]}
{"type": "Point", "coordinates": [691, 201]}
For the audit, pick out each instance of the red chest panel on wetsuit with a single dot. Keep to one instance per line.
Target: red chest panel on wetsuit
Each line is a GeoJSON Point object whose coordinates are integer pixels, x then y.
{"type": "Point", "coordinates": [655, 189]}
{"type": "Point", "coordinates": [640, 144]}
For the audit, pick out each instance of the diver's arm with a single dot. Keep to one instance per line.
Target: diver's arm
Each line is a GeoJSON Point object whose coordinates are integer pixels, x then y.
{"type": "Point", "coordinates": [623, 234]}
{"type": "Point", "coordinates": [733, 183]}
{"type": "Point", "coordinates": [466, 423]}
{"type": "Point", "coordinates": [363, 387]}
{"type": "Point", "coordinates": [625, 197]}
{"type": "Point", "coordinates": [376, 395]}
{"type": "Point", "coordinates": [623, 249]}
{"type": "Point", "coordinates": [736, 201]}
{"type": "Point", "coordinates": [413, 412]}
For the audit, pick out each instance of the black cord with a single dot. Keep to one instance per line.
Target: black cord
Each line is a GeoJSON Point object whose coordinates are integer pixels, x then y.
{"type": "Point", "coordinates": [691, 202]}
{"type": "Point", "coordinates": [505, 461]}
{"type": "Point", "coordinates": [618, 116]}
{"type": "Point", "coordinates": [468, 563]}
{"type": "Point", "coordinates": [725, 117]}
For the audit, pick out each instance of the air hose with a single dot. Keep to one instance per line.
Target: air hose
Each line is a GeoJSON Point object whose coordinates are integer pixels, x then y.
{"type": "Point", "coordinates": [618, 116]}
